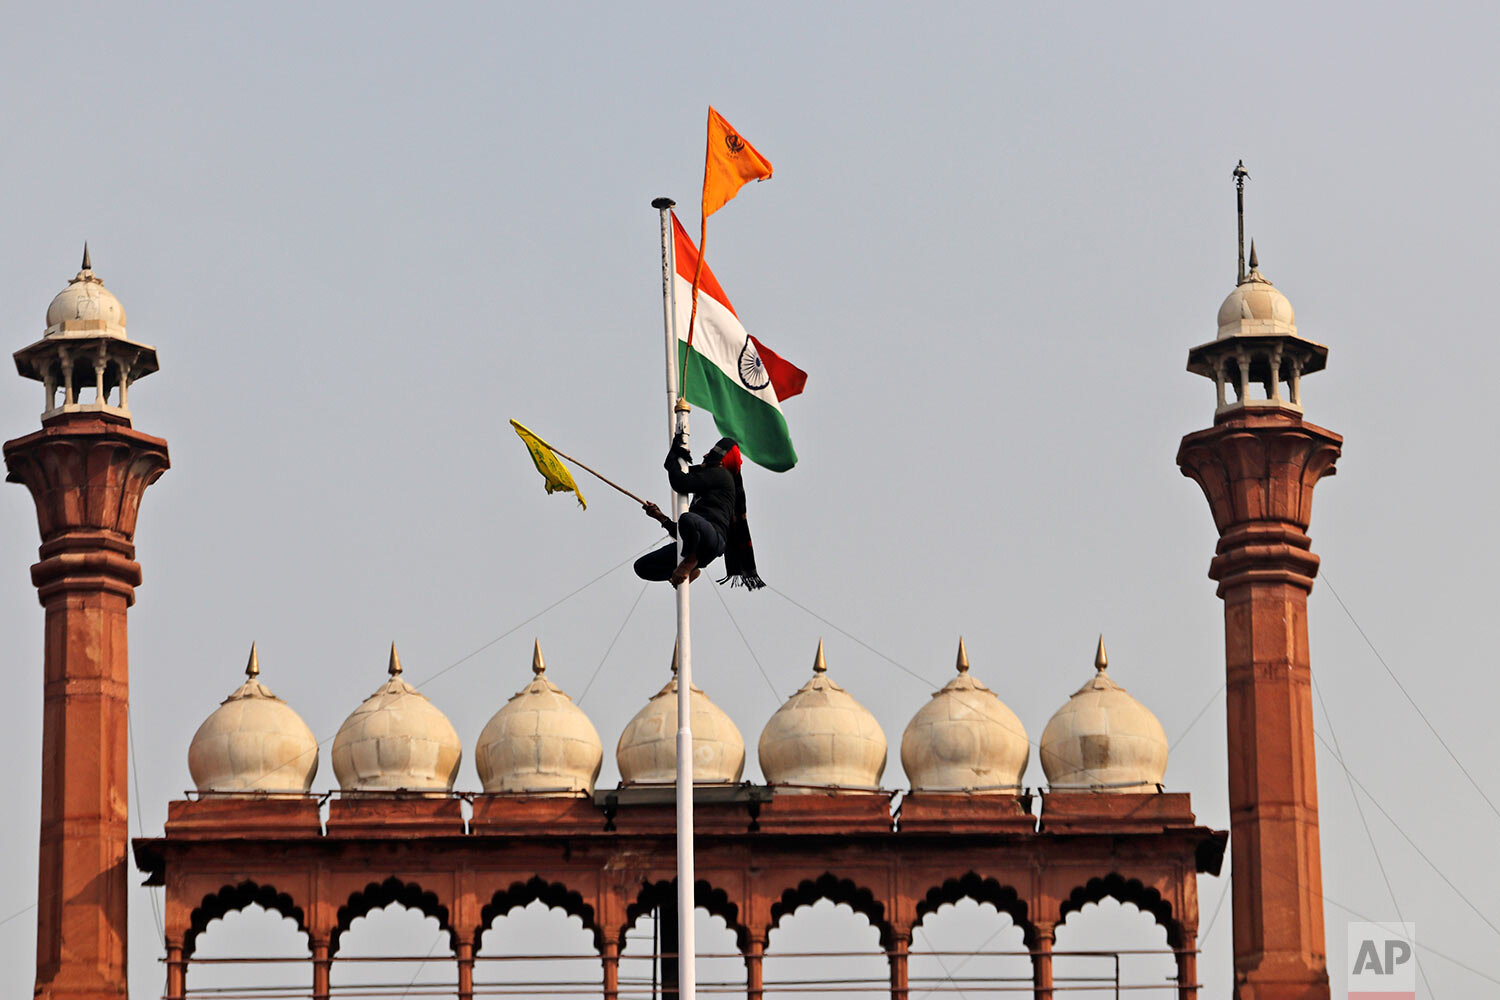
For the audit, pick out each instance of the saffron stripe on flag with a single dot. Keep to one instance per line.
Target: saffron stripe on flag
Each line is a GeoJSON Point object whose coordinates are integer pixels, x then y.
{"type": "Point", "coordinates": [786, 378]}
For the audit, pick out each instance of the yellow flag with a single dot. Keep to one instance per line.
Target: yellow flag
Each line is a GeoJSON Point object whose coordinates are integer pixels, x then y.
{"type": "Point", "coordinates": [558, 478]}
{"type": "Point", "coordinates": [730, 164]}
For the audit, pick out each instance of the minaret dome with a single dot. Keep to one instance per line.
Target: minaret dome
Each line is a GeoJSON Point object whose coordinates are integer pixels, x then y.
{"type": "Point", "coordinates": [85, 360]}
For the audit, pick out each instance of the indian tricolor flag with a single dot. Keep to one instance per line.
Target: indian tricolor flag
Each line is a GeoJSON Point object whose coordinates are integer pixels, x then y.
{"type": "Point", "coordinates": [730, 373]}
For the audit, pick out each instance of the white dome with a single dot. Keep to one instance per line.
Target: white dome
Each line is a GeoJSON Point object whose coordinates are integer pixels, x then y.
{"type": "Point", "coordinates": [539, 741]}
{"type": "Point", "coordinates": [1104, 740]}
{"type": "Point", "coordinates": [1255, 307]}
{"type": "Point", "coordinates": [822, 738]}
{"type": "Point", "coordinates": [965, 738]}
{"type": "Point", "coordinates": [253, 742]}
{"type": "Point", "coordinates": [86, 306]}
{"type": "Point", "coordinates": [396, 739]}
{"type": "Point", "coordinates": [647, 751]}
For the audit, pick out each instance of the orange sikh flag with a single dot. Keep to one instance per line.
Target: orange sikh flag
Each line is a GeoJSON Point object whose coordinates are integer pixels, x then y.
{"type": "Point", "coordinates": [729, 165]}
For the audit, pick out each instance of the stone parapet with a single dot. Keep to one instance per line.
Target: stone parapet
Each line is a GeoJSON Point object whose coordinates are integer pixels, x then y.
{"type": "Point", "coordinates": [958, 812]}
{"type": "Point", "coordinates": [1116, 812]}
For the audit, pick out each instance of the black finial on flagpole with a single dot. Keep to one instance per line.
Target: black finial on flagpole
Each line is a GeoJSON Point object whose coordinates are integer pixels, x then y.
{"type": "Point", "coordinates": [662, 204]}
{"type": "Point", "coordinates": [1240, 176]}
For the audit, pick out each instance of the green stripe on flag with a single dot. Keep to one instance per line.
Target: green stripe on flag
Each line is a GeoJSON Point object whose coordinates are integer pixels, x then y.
{"type": "Point", "coordinates": [758, 426]}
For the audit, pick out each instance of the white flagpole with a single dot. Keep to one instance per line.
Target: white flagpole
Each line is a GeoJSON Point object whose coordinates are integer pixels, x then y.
{"type": "Point", "coordinates": [677, 417]}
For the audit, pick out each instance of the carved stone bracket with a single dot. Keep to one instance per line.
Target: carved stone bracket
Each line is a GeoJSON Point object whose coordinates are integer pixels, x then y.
{"type": "Point", "coordinates": [87, 475]}
{"type": "Point", "coordinates": [1258, 472]}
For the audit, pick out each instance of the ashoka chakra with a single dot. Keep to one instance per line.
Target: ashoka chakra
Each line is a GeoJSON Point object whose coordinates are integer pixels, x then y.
{"type": "Point", "coordinates": [752, 372]}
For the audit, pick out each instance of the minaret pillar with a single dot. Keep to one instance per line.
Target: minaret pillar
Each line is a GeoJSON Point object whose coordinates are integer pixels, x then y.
{"type": "Point", "coordinates": [1258, 469]}
{"type": "Point", "coordinates": [87, 470]}
{"type": "Point", "coordinates": [87, 475]}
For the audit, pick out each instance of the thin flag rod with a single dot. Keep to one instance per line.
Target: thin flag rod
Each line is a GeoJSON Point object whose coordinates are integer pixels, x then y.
{"type": "Point", "coordinates": [597, 475]}
{"type": "Point", "coordinates": [702, 250]}
{"type": "Point", "coordinates": [678, 410]}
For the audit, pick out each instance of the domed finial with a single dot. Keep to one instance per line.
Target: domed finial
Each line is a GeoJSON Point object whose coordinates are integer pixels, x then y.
{"type": "Point", "coordinates": [538, 665]}
{"type": "Point", "coordinates": [819, 665]}
{"type": "Point", "coordinates": [1254, 260]}
{"type": "Point", "coordinates": [88, 265]}
{"type": "Point", "coordinates": [674, 659]}
{"type": "Point", "coordinates": [963, 657]}
{"type": "Point", "coordinates": [252, 669]}
{"type": "Point", "coordinates": [1101, 658]}
{"type": "Point", "coordinates": [394, 669]}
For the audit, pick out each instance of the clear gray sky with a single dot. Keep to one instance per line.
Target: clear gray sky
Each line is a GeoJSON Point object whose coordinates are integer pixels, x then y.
{"type": "Point", "coordinates": [363, 237]}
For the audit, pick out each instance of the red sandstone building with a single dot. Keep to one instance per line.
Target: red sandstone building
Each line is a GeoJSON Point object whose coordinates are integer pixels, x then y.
{"type": "Point", "coordinates": [820, 828]}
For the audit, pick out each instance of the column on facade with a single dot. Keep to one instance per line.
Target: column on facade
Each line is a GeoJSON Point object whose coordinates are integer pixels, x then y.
{"type": "Point", "coordinates": [1041, 962]}
{"type": "Point", "coordinates": [900, 972]}
{"type": "Point", "coordinates": [755, 972]}
{"type": "Point", "coordinates": [610, 956]}
{"type": "Point", "coordinates": [322, 968]}
{"type": "Point", "coordinates": [176, 972]}
{"type": "Point", "coordinates": [1187, 965]}
{"type": "Point", "coordinates": [465, 955]}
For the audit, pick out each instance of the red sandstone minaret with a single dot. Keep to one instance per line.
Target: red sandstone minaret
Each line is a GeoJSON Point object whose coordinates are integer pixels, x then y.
{"type": "Point", "coordinates": [1257, 466]}
{"type": "Point", "coordinates": [87, 470]}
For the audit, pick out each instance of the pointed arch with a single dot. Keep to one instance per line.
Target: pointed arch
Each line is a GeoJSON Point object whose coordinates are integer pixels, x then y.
{"type": "Point", "coordinates": [705, 896]}
{"type": "Point", "coordinates": [554, 894]}
{"type": "Point", "coordinates": [1143, 897]}
{"type": "Point", "coordinates": [236, 897]}
{"type": "Point", "coordinates": [378, 895]}
{"type": "Point", "coordinates": [1003, 898]}
{"type": "Point", "coordinates": [836, 890]}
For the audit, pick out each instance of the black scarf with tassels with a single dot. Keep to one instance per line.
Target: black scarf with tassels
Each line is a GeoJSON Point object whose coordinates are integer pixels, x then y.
{"type": "Point", "coordinates": [739, 551]}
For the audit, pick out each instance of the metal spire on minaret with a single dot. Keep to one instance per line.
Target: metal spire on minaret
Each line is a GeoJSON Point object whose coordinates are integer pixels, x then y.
{"type": "Point", "coordinates": [87, 264]}
{"type": "Point", "coordinates": [1241, 175]}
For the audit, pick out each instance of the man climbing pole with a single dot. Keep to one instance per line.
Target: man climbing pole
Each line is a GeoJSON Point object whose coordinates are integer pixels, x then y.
{"type": "Point", "coordinates": [714, 524]}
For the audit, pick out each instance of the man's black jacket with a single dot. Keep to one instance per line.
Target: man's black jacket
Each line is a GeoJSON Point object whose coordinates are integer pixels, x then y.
{"type": "Point", "coordinates": [712, 487]}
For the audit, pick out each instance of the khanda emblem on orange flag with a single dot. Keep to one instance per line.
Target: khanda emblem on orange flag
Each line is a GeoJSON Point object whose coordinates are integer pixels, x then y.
{"type": "Point", "coordinates": [731, 163]}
